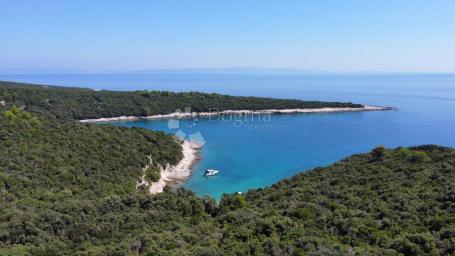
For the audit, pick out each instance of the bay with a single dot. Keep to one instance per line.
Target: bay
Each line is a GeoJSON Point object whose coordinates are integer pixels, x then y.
{"type": "Point", "coordinates": [257, 152]}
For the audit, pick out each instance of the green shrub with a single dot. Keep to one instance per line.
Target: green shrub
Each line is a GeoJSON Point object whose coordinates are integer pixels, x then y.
{"type": "Point", "coordinates": [153, 173]}
{"type": "Point", "coordinates": [379, 153]}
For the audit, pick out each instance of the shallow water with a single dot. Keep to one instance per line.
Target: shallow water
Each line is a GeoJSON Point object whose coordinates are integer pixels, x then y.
{"type": "Point", "coordinates": [260, 151]}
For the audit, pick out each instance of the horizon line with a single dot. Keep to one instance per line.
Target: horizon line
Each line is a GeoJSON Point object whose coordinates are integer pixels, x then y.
{"type": "Point", "coordinates": [201, 70]}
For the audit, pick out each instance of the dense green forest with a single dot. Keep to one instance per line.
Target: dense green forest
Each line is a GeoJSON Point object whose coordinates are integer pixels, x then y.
{"type": "Point", "coordinates": [69, 189]}
{"type": "Point", "coordinates": [76, 103]}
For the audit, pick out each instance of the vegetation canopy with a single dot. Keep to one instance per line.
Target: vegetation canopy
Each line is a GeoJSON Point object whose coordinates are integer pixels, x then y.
{"type": "Point", "coordinates": [68, 188]}
{"type": "Point", "coordinates": [76, 103]}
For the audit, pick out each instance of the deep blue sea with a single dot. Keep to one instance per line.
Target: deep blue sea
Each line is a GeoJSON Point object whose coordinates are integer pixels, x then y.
{"type": "Point", "coordinates": [257, 152]}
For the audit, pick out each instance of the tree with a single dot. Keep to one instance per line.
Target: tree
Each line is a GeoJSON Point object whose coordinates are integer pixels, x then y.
{"type": "Point", "coordinates": [379, 153]}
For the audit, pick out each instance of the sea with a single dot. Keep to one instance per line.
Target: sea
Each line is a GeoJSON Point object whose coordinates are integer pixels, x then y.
{"type": "Point", "coordinates": [257, 151]}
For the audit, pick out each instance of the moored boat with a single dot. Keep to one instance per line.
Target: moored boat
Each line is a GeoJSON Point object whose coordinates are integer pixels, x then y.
{"type": "Point", "coordinates": [211, 172]}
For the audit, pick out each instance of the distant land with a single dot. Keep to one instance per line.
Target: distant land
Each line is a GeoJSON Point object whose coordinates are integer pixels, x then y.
{"type": "Point", "coordinates": [233, 70]}
{"type": "Point", "coordinates": [198, 71]}
{"type": "Point", "coordinates": [229, 70]}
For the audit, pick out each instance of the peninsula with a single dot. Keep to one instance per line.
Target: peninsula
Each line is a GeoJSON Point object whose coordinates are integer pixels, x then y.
{"type": "Point", "coordinates": [65, 103]}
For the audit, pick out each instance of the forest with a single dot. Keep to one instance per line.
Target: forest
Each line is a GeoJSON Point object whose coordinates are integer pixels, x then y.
{"type": "Point", "coordinates": [65, 103]}
{"type": "Point", "coordinates": [68, 188]}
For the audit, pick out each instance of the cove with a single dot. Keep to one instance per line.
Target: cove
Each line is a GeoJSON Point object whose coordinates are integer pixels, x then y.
{"type": "Point", "coordinates": [254, 153]}
{"type": "Point", "coordinates": [257, 154]}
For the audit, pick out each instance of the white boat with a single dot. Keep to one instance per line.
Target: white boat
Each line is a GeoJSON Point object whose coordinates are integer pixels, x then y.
{"type": "Point", "coordinates": [211, 172]}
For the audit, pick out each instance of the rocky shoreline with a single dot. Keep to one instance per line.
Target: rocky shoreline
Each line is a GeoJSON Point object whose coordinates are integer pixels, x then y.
{"type": "Point", "coordinates": [179, 173]}
{"type": "Point", "coordinates": [236, 112]}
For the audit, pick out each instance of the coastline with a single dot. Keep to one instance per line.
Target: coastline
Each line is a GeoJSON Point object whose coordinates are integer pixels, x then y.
{"type": "Point", "coordinates": [236, 112]}
{"type": "Point", "coordinates": [179, 173]}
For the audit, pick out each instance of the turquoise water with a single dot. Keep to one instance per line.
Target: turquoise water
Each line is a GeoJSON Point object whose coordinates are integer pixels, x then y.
{"type": "Point", "coordinates": [257, 153]}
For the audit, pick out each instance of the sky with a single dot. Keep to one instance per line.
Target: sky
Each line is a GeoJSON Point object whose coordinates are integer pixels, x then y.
{"type": "Point", "coordinates": [320, 35]}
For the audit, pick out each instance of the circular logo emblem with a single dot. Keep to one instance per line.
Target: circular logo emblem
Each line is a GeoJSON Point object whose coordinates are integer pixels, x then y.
{"type": "Point", "coordinates": [186, 120]}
